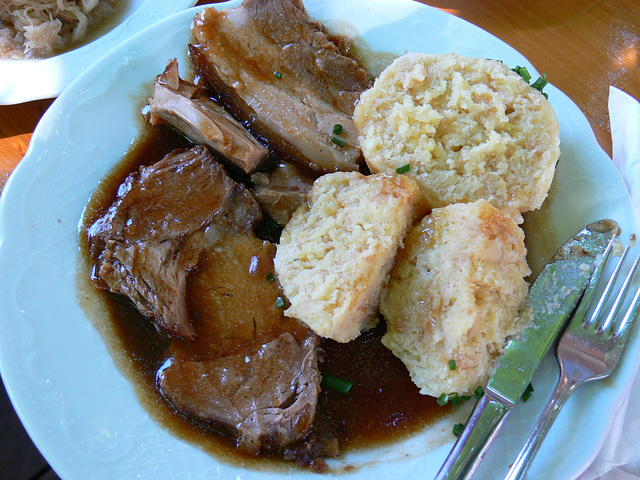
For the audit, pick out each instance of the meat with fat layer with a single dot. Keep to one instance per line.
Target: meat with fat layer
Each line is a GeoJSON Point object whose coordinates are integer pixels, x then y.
{"type": "Point", "coordinates": [185, 107]}
{"type": "Point", "coordinates": [154, 232]}
{"type": "Point", "coordinates": [284, 76]}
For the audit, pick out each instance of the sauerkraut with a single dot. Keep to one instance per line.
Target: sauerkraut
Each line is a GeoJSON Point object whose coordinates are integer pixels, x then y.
{"type": "Point", "coordinates": [44, 28]}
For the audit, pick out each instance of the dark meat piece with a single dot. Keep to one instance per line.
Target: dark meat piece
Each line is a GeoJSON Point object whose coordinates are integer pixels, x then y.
{"type": "Point", "coordinates": [185, 107]}
{"type": "Point", "coordinates": [250, 369]}
{"type": "Point", "coordinates": [231, 301]}
{"type": "Point", "coordinates": [266, 399]}
{"type": "Point", "coordinates": [322, 442]}
{"type": "Point", "coordinates": [179, 242]}
{"type": "Point", "coordinates": [156, 229]}
{"type": "Point", "coordinates": [285, 77]}
{"type": "Point", "coordinates": [281, 191]}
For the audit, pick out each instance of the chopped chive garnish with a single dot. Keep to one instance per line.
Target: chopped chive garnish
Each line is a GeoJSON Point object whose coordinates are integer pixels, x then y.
{"type": "Point", "coordinates": [335, 383]}
{"type": "Point", "coordinates": [454, 398]}
{"type": "Point", "coordinates": [404, 168]}
{"type": "Point", "coordinates": [523, 72]}
{"type": "Point", "coordinates": [527, 393]}
{"type": "Point", "coordinates": [458, 399]}
{"type": "Point", "coordinates": [269, 276]}
{"type": "Point", "coordinates": [452, 364]}
{"type": "Point", "coordinates": [479, 391]}
{"type": "Point", "coordinates": [457, 429]}
{"type": "Point", "coordinates": [337, 128]}
{"type": "Point", "coordinates": [278, 74]}
{"type": "Point", "coordinates": [338, 142]}
{"type": "Point", "coordinates": [280, 302]}
{"type": "Point", "coordinates": [269, 230]}
{"type": "Point", "coordinates": [541, 82]}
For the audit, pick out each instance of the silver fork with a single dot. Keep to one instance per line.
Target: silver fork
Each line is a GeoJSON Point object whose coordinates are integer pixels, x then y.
{"type": "Point", "coordinates": [589, 349]}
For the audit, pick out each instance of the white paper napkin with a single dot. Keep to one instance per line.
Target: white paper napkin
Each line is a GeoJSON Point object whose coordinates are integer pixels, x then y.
{"type": "Point", "coordinates": [619, 459]}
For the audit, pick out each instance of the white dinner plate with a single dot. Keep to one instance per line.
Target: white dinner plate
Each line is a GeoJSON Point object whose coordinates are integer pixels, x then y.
{"type": "Point", "coordinates": [83, 414]}
{"type": "Point", "coordinates": [36, 79]}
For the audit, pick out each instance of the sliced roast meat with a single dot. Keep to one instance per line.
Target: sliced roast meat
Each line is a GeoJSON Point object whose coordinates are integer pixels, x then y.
{"type": "Point", "coordinates": [155, 230]}
{"type": "Point", "coordinates": [284, 76]}
{"type": "Point", "coordinates": [179, 241]}
{"type": "Point", "coordinates": [232, 302]}
{"type": "Point", "coordinates": [266, 399]}
{"type": "Point", "coordinates": [185, 107]}
{"type": "Point", "coordinates": [250, 369]}
{"type": "Point", "coordinates": [281, 191]}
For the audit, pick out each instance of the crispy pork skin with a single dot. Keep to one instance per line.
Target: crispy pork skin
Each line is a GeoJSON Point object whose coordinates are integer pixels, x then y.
{"type": "Point", "coordinates": [185, 107]}
{"type": "Point", "coordinates": [285, 77]}
{"type": "Point", "coordinates": [154, 232]}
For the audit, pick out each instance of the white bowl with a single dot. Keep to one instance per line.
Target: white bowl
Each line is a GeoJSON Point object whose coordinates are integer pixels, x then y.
{"type": "Point", "coordinates": [36, 79]}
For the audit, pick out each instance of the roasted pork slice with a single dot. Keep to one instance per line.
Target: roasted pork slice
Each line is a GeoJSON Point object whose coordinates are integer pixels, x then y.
{"type": "Point", "coordinates": [281, 191]}
{"type": "Point", "coordinates": [232, 297]}
{"type": "Point", "coordinates": [266, 399]}
{"type": "Point", "coordinates": [152, 235]}
{"type": "Point", "coordinates": [250, 369]}
{"type": "Point", "coordinates": [284, 76]}
{"type": "Point", "coordinates": [185, 107]}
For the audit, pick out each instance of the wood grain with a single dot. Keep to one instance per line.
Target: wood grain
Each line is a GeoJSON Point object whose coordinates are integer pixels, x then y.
{"type": "Point", "coordinates": [583, 46]}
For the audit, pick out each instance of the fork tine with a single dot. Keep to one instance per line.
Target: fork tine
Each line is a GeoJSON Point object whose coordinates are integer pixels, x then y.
{"type": "Point", "coordinates": [582, 353]}
{"type": "Point", "coordinates": [594, 281]}
{"type": "Point", "coordinates": [604, 297]}
{"type": "Point", "coordinates": [615, 308]}
{"type": "Point", "coordinates": [634, 307]}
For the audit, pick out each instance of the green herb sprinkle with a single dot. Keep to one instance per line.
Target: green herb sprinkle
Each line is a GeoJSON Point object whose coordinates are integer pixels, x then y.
{"type": "Point", "coordinates": [336, 383]}
{"type": "Point", "coordinates": [527, 393]}
{"type": "Point", "coordinates": [457, 429]}
{"type": "Point", "coordinates": [404, 168]}
{"type": "Point", "coordinates": [478, 392]}
{"type": "Point", "coordinates": [338, 142]}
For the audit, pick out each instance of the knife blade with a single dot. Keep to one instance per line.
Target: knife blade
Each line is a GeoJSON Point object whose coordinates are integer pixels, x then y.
{"type": "Point", "coordinates": [551, 300]}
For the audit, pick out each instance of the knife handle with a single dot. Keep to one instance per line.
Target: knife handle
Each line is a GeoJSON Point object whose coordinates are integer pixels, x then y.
{"type": "Point", "coordinates": [473, 442]}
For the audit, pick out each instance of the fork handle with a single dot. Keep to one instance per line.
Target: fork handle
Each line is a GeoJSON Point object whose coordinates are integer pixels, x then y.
{"type": "Point", "coordinates": [564, 388]}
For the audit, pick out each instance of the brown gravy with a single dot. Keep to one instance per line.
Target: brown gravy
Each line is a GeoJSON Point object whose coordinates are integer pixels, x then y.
{"type": "Point", "coordinates": [382, 407]}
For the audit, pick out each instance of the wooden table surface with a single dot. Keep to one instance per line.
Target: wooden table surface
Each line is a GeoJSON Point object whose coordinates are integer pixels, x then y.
{"type": "Point", "coordinates": [583, 45]}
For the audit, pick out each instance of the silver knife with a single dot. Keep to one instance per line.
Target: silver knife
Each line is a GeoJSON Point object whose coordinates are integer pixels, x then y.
{"type": "Point", "coordinates": [552, 299]}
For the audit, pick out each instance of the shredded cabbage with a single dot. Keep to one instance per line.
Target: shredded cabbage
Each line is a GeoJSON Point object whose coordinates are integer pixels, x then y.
{"type": "Point", "coordinates": [43, 28]}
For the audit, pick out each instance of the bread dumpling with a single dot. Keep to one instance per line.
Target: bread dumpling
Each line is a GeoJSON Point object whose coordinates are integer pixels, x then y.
{"type": "Point", "coordinates": [336, 251]}
{"type": "Point", "coordinates": [454, 296]}
{"type": "Point", "coordinates": [470, 129]}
